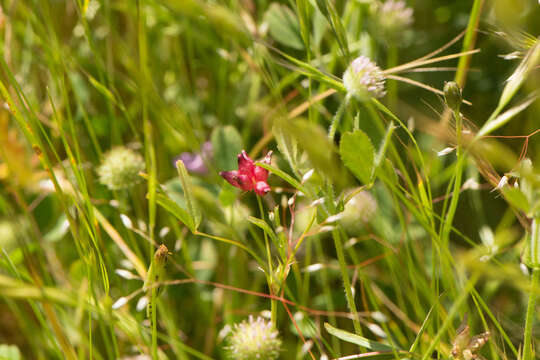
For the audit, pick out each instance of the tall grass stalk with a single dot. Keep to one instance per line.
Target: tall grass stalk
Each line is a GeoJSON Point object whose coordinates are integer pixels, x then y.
{"type": "Point", "coordinates": [534, 248]}
{"type": "Point", "coordinates": [458, 173]}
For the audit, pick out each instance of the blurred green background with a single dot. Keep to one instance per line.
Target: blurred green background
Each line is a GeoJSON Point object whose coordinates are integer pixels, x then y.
{"type": "Point", "coordinates": [162, 77]}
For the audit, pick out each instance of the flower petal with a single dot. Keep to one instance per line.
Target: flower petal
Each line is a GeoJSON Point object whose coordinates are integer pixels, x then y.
{"type": "Point", "coordinates": [261, 188]}
{"type": "Point", "coordinates": [260, 173]}
{"type": "Point", "coordinates": [245, 182]}
{"type": "Point", "coordinates": [231, 177]}
{"type": "Point", "coordinates": [245, 164]}
{"type": "Point", "coordinates": [268, 158]}
{"type": "Point", "coordinates": [194, 162]}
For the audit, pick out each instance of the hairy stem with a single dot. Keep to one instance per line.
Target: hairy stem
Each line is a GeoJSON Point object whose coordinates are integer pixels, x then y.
{"type": "Point", "coordinates": [346, 281]}
{"type": "Point", "coordinates": [337, 117]}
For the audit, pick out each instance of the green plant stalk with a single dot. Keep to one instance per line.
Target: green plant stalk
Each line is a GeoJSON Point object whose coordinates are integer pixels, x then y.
{"type": "Point", "coordinates": [27, 119]}
{"type": "Point", "coordinates": [457, 181]}
{"type": "Point", "coordinates": [392, 85]}
{"type": "Point", "coordinates": [325, 283]}
{"type": "Point", "coordinates": [346, 281]}
{"type": "Point", "coordinates": [153, 305]}
{"type": "Point", "coordinates": [273, 302]}
{"type": "Point", "coordinates": [150, 154]}
{"type": "Point", "coordinates": [469, 286]}
{"type": "Point", "coordinates": [233, 242]}
{"type": "Point", "coordinates": [468, 42]}
{"type": "Point", "coordinates": [528, 353]}
{"type": "Point", "coordinates": [535, 243]}
{"type": "Point", "coordinates": [150, 157]}
{"type": "Point", "coordinates": [337, 117]}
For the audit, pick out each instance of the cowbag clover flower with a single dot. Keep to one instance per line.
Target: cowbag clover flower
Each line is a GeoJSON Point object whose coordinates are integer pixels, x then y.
{"type": "Point", "coordinates": [363, 79]}
{"type": "Point", "coordinates": [249, 176]}
{"type": "Point", "coordinates": [255, 339]}
{"type": "Point", "coordinates": [390, 19]}
{"type": "Point", "coordinates": [120, 168]}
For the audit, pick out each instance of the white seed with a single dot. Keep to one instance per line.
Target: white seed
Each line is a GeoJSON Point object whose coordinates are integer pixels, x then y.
{"type": "Point", "coordinates": [126, 221]}
{"type": "Point", "coordinates": [445, 151]}
{"type": "Point", "coordinates": [141, 304]}
{"type": "Point", "coordinates": [120, 302]}
{"type": "Point", "coordinates": [126, 274]}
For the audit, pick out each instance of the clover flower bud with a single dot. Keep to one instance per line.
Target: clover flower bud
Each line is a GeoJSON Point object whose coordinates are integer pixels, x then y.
{"type": "Point", "coordinates": [391, 18]}
{"type": "Point", "coordinates": [363, 79]}
{"type": "Point", "coordinates": [452, 95]}
{"type": "Point", "coordinates": [255, 339]}
{"type": "Point", "coordinates": [120, 168]}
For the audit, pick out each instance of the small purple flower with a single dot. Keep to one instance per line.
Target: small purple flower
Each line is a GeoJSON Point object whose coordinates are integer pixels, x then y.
{"type": "Point", "coordinates": [195, 162]}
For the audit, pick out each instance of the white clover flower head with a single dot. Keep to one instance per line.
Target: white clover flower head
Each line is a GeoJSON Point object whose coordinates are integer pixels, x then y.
{"type": "Point", "coordinates": [363, 79]}
{"type": "Point", "coordinates": [254, 339]}
{"type": "Point", "coordinates": [391, 18]}
{"type": "Point", "coordinates": [120, 168]}
{"type": "Point", "coordinates": [363, 205]}
{"type": "Point", "coordinates": [358, 211]}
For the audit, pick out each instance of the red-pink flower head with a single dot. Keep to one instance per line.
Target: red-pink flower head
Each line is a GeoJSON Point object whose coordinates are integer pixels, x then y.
{"type": "Point", "coordinates": [249, 176]}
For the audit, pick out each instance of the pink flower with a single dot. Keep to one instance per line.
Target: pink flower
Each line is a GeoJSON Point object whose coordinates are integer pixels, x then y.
{"type": "Point", "coordinates": [249, 176]}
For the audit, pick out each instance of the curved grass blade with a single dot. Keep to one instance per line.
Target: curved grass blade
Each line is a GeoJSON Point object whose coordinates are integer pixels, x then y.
{"type": "Point", "coordinates": [358, 340]}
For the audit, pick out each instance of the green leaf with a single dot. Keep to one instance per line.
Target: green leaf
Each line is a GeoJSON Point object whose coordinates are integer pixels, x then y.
{"type": "Point", "coordinates": [175, 210]}
{"type": "Point", "coordinates": [268, 230]}
{"type": "Point", "coordinates": [320, 25]}
{"type": "Point", "coordinates": [424, 326]}
{"type": "Point", "coordinates": [303, 9]}
{"type": "Point", "coordinates": [104, 91]}
{"type": "Point", "coordinates": [358, 155]}
{"type": "Point", "coordinates": [505, 117]}
{"type": "Point", "coordinates": [192, 207]}
{"type": "Point", "coordinates": [321, 5]}
{"type": "Point", "coordinates": [283, 26]}
{"type": "Point", "coordinates": [357, 339]}
{"type": "Point", "coordinates": [287, 145]}
{"type": "Point", "coordinates": [313, 141]}
{"type": "Point", "coordinates": [283, 175]}
{"type": "Point", "coordinates": [518, 77]}
{"type": "Point", "coordinates": [328, 9]}
{"type": "Point", "coordinates": [9, 352]}
{"type": "Point", "coordinates": [384, 146]}
{"type": "Point", "coordinates": [385, 355]}
{"type": "Point", "coordinates": [516, 198]}
{"type": "Point", "coordinates": [227, 144]}
{"type": "Point", "coordinates": [310, 70]}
